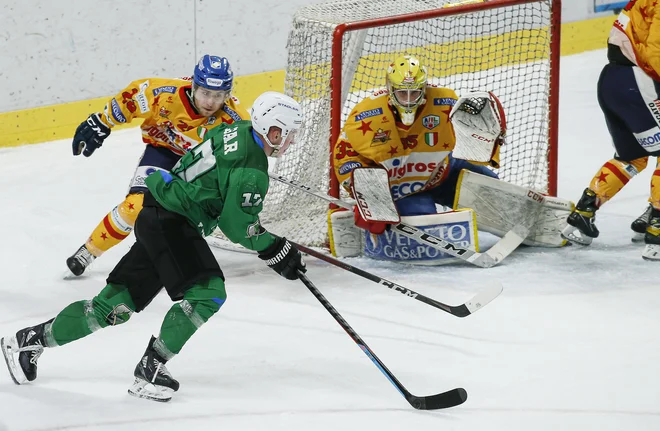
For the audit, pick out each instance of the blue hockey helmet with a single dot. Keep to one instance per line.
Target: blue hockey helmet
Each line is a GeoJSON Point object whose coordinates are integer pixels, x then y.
{"type": "Point", "coordinates": [214, 73]}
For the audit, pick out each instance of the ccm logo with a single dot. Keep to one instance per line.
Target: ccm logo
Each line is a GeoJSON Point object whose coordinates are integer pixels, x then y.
{"type": "Point", "coordinates": [363, 204]}
{"type": "Point", "coordinates": [481, 138]}
{"type": "Point", "coordinates": [535, 196]}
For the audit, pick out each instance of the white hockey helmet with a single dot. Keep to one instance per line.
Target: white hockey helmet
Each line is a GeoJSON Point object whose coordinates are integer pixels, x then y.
{"type": "Point", "coordinates": [278, 110]}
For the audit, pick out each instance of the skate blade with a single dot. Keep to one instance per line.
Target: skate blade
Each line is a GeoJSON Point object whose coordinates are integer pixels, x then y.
{"type": "Point", "coordinates": [651, 252]}
{"type": "Point", "coordinates": [637, 237]}
{"type": "Point", "coordinates": [7, 344]}
{"type": "Point", "coordinates": [580, 240]}
{"type": "Point", "coordinates": [149, 391]}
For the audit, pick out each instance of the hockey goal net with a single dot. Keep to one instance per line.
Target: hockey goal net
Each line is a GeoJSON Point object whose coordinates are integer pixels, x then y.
{"type": "Point", "coordinates": [338, 52]}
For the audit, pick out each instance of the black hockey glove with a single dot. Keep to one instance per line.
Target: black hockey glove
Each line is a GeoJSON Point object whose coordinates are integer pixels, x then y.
{"type": "Point", "coordinates": [90, 135]}
{"type": "Point", "coordinates": [284, 258]}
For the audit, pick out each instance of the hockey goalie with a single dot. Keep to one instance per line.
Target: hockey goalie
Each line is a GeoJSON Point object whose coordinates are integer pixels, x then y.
{"type": "Point", "coordinates": [438, 151]}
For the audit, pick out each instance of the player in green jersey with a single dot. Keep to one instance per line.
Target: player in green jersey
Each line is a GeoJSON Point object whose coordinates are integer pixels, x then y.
{"type": "Point", "coordinates": [220, 183]}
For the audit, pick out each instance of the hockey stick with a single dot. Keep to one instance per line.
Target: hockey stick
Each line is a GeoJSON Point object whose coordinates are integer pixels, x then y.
{"type": "Point", "coordinates": [479, 301]}
{"type": "Point", "coordinates": [444, 400]}
{"type": "Point", "coordinates": [491, 257]}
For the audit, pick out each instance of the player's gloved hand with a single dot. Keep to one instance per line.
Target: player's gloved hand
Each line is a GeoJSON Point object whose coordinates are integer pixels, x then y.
{"type": "Point", "coordinates": [167, 177]}
{"type": "Point", "coordinates": [375, 227]}
{"type": "Point", "coordinates": [89, 135]}
{"type": "Point", "coordinates": [284, 258]}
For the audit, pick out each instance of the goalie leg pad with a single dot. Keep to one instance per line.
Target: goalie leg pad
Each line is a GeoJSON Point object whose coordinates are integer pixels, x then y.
{"type": "Point", "coordinates": [495, 203]}
{"type": "Point", "coordinates": [346, 239]}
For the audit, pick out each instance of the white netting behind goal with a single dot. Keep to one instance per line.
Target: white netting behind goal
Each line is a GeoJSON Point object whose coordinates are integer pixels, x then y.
{"type": "Point", "coordinates": [506, 50]}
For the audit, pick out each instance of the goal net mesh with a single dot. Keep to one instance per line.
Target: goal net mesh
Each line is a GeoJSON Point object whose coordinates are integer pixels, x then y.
{"type": "Point", "coordinates": [505, 50]}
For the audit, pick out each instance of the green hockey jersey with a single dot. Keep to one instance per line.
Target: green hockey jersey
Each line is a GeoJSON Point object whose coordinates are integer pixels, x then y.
{"type": "Point", "coordinates": [220, 183]}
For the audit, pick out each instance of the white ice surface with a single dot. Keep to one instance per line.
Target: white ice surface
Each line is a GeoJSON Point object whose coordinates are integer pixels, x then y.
{"type": "Point", "coordinates": [571, 344]}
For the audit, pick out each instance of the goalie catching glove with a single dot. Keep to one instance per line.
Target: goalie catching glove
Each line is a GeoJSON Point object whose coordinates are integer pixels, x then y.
{"type": "Point", "coordinates": [90, 135]}
{"type": "Point", "coordinates": [284, 258]}
{"type": "Point", "coordinates": [480, 126]}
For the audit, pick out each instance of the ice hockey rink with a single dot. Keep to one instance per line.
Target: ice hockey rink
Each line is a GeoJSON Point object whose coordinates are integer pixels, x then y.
{"type": "Point", "coordinates": [571, 344]}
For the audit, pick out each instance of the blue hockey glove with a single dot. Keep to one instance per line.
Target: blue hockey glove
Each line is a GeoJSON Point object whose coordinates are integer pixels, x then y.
{"type": "Point", "coordinates": [89, 136]}
{"type": "Point", "coordinates": [167, 177]}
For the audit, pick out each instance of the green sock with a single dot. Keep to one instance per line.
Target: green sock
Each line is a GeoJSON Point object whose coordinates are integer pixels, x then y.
{"type": "Point", "coordinates": [199, 303]}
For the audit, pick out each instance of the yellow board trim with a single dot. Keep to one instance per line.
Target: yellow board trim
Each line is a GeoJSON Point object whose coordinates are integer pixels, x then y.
{"type": "Point", "coordinates": [49, 123]}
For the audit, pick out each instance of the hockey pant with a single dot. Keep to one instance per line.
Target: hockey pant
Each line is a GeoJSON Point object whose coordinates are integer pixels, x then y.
{"type": "Point", "coordinates": [168, 253]}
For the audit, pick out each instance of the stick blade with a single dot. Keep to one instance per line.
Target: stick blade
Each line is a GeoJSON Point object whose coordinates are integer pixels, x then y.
{"type": "Point", "coordinates": [484, 297]}
{"type": "Point", "coordinates": [444, 400]}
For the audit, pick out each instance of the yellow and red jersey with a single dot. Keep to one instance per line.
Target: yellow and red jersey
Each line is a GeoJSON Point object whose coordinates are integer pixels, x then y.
{"type": "Point", "coordinates": [415, 156]}
{"type": "Point", "coordinates": [169, 118]}
{"type": "Point", "coordinates": [637, 32]}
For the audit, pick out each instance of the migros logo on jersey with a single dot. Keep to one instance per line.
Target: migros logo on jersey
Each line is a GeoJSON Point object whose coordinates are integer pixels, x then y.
{"type": "Point", "coordinates": [411, 168]}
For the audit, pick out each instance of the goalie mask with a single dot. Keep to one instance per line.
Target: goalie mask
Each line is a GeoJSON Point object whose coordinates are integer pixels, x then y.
{"type": "Point", "coordinates": [276, 110]}
{"type": "Point", "coordinates": [406, 83]}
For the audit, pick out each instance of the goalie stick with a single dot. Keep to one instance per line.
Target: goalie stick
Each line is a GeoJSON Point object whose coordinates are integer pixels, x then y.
{"type": "Point", "coordinates": [444, 400]}
{"type": "Point", "coordinates": [487, 259]}
{"type": "Point", "coordinates": [477, 302]}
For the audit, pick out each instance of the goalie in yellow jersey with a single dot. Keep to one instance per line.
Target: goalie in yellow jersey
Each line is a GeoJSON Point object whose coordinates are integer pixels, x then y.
{"type": "Point", "coordinates": [177, 115]}
{"type": "Point", "coordinates": [426, 137]}
{"type": "Point", "coordinates": [406, 129]}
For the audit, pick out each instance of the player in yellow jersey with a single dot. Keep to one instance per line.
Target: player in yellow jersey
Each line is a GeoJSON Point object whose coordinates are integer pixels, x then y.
{"type": "Point", "coordinates": [407, 130]}
{"type": "Point", "coordinates": [177, 114]}
{"type": "Point", "coordinates": [629, 96]}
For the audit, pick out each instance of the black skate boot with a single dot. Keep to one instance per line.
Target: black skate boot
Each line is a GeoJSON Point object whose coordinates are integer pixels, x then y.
{"type": "Point", "coordinates": [581, 228]}
{"type": "Point", "coordinates": [80, 260]}
{"type": "Point", "coordinates": [152, 379]}
{"type": "Point", "coordinates": [22, 351]}
{"type": "Point", "coordinates": [639, 225]}
{"type": "Point", "coordinates": [652, 237]}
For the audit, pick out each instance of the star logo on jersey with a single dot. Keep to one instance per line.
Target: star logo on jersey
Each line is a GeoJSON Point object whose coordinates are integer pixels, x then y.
{"type": "Point", "coordinates": [394, 150]}
{"type": "Point", "coordinates": [602, 177]}
{"type": "Point", "coordinates": [104, 236]}
{"type": "Point", "coordinates": [365, 127]}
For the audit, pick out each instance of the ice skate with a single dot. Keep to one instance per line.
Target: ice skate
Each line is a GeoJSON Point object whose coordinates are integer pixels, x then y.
{"type": "Point", "coordinates": [80, 260]}
{"type": "Point", "coordinates": [652, 237]}
{"type": "Point", "coordinates": [581, 227]}
{"type": "Point", "coordinates": [152, 379]}
{"type": "Point", "coordinates": [21, 352]}
{"type": "Point", "coordinates": [639, 225]}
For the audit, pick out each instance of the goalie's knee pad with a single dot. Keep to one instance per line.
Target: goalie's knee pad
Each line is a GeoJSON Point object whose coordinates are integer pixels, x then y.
{"type": "Point", "coordinates": [346, 239]}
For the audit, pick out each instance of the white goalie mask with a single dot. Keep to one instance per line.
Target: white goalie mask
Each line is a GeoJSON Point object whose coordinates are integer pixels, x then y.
{"type": "Point", "coordinates": [273, 109]}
